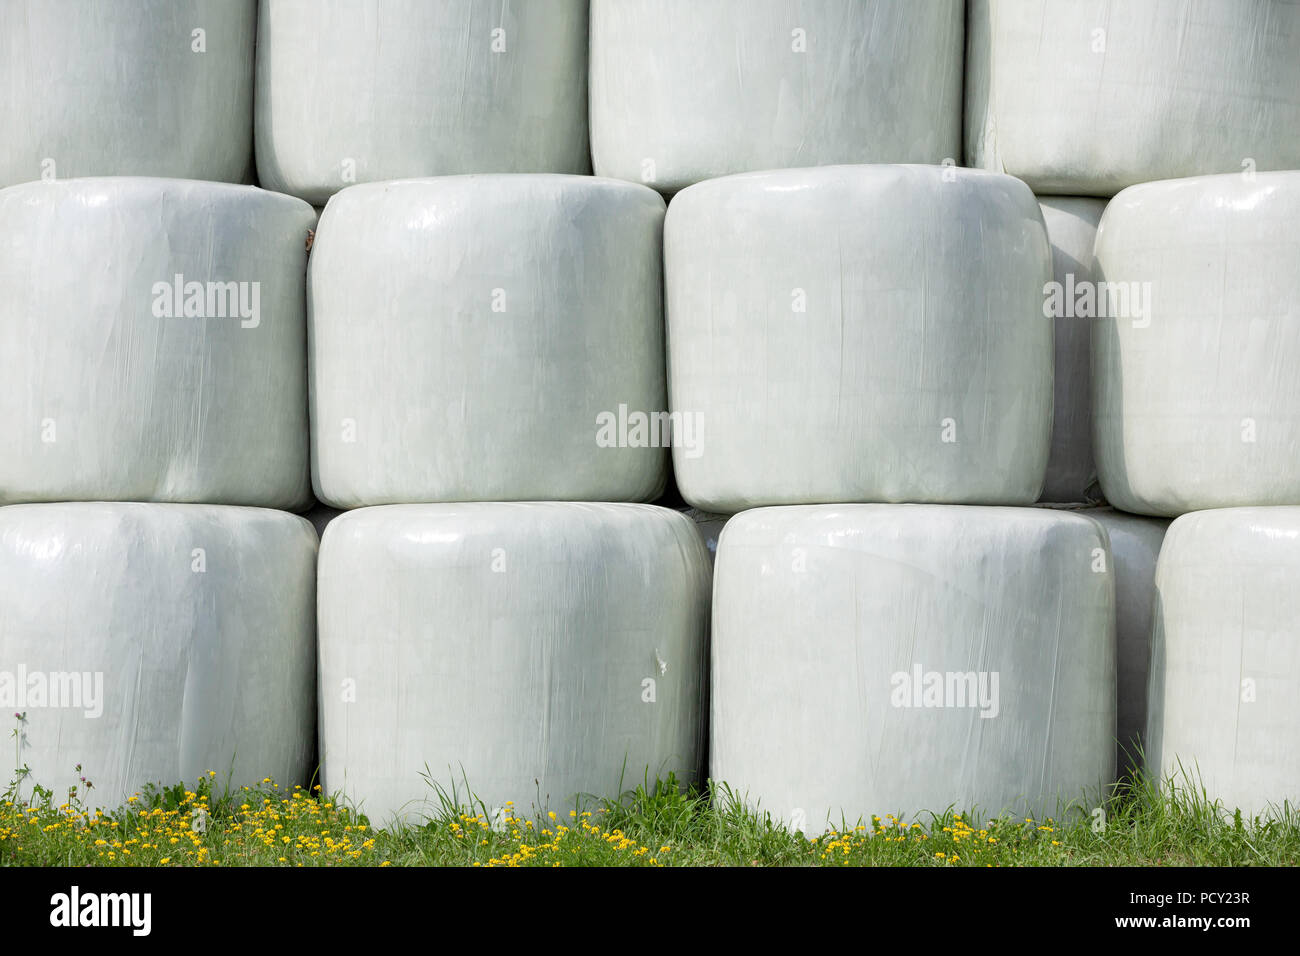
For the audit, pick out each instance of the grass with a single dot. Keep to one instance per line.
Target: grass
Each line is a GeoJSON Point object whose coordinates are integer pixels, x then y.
{"type": "Point", "coordinates": [659, 824]}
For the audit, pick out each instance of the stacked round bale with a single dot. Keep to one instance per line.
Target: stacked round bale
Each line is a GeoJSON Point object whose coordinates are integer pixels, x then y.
{"type": "Point", "coordinates": [472, 336]}
{"type": "Point", "coordinates": [155, 643]}
{"type": "Point", "coordinates": [146, 88]}
{"type": "Point", "coordinates": [534, 652]}
{"type": "Point", "coordinates": [1087, 98]}
{"type": "Point", "coordinates": [683, 91]}
{"type": "Point", "coordinates": [152, 343]}
{"type": "Point", "coordinates": [859, 333]}
{"type": "Point", "coordinates": [1196, 404]}
{"type": "Point", "coordinates": [357, 91]}
{"type": "Point", "coordinates": [906, 658]}
{"type": "Point", "coordinates": [1225, 665]}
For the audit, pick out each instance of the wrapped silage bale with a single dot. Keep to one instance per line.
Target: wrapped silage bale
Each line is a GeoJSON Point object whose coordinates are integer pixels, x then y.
{"type": "Point", "coordinates": [356, 91]}
{"type": "Point", "coordinates": [526, 652]}
{"type": "Point", "coordinates": [152, 643]}
{"type": "Point", "coordinates": [1072, 229]}
{"type": "Point", "coordinates": [1196, 403]}
{"type": "Point", "coordinates": [683, 91]}
{"type": "Point", "coordinates": [1085, 98]}
{"type": "Point", "coordinates": [1225, 667]}
{"type": "Point", "coordinates": [1134, 547]}
{"type": "Point", "coordinates": [859, 333]}
{"type": "Point", "coordinates": [153, 343]}
{"type": "Point", "coordinates": [144, 88]}
{"type": "Point", "coordinates": [873, 659]}
{"type": "Point", "coordinates": [489, 338]}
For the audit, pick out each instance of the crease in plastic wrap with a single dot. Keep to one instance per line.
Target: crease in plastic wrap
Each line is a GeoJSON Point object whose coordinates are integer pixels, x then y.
{"type": "Point", "coordinates": [1086, 97]}
{"type": "Point", "coordinates": [142, 88]}
{"type": "Point", "coordinates": [356, 91]}
{"type": "Point", "coordinates": [1134, 548]}
{"type": "Point", "coordinates": [153, 343]}
{"type": "Point", "coordinates": [873, 659]}
{"type": "Point", "coordinates": [1072, 230]}
{"type": "Point", "coordinates": [489, 338]}
{"type": "Point", "coordinates": [1225, 665]}
{"type": "Point", "coordinates": [152, 643]}
{"type": "Point", "coordinates": [859, 333]}
{"type": "Point", "coordinates": [1196, 401]}
{"type": "Point", "coordinates": [683, 91]}
{"type": "Point", "coordinates": [534, 652]}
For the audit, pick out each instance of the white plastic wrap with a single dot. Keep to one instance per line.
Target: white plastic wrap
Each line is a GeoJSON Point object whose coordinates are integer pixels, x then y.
{"type": "Point", "coordinates": [355, 91]}
{"type": "Point", "coordinates": [1071, 229]}
{"type": "Point", "coordinates": [1134, 548]}
{"type": "Point", "coordinates": [152, 343]}
{"type": "Point", "coordinates": [532, 651]}
{"type": "Point", "coordinates": [152, 643]}
{"type": "Point", "coordinates": [1196, 401]}
{"type": "Point", "coordinates": [859, 333]}
{"type": "Point", "coordinates": [1225, 668]}
{"type": "Point", "coordinates": [872, 659]}
{"type": "Point", "coordinates": [142, 88]}
{"type": "Point", "coordinates": [683, 91]}
{"type": "Point", "coordinates": [488, 338]}
{"type": "Point", "coordinates": [1085, 98]}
